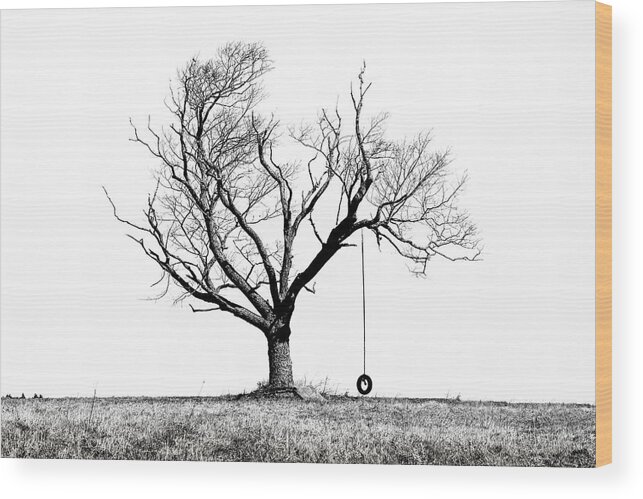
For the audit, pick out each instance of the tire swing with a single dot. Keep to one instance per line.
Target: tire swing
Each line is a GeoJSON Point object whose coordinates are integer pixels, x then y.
{"type": "Point", "coordinates": [364, 381]}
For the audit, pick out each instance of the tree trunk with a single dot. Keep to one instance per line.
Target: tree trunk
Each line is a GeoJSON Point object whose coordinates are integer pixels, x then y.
{"type": "Point", "coordinates": [279, 359]}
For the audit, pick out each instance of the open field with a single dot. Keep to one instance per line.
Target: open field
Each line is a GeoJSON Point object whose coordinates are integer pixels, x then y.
{"type": "Point", "coordinates": [341, 430]}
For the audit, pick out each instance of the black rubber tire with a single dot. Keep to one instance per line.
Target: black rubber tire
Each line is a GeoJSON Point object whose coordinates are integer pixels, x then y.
{"type": "Point", "coordinates": [364, 384]}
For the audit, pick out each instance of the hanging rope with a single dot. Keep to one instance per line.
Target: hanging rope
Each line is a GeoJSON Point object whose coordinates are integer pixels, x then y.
{"type": "Point", "coordinates": [364, 382]}
{"type": "Point", "coordinates": [363, 300]}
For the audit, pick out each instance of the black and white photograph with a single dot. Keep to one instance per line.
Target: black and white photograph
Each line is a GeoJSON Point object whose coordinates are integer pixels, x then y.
{"type": "Point", "coordinates": [349, 234]}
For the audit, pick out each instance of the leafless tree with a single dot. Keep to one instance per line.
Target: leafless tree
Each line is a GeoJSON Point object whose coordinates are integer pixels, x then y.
{"type": "Point", "coordinates": [225, 214]}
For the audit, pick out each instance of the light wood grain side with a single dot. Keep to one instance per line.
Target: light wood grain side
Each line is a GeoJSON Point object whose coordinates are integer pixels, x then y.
{"type": "Point", "coordinates": [603, 234]}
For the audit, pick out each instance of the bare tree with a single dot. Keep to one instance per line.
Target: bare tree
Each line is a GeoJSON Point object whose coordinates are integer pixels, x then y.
{"type": "Point", "coordinates": [221, 196]}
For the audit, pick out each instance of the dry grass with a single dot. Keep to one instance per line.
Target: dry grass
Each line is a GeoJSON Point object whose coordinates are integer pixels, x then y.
{"type": "Point", "coordinates": [342, 430]}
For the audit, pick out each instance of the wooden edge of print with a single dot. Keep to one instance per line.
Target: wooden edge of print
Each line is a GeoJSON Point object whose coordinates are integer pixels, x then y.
{"type": "Point", "coordinates": [603, 234]}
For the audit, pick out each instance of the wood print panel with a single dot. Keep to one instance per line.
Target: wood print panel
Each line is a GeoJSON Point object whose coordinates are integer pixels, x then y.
{"type": "Point", "coordinates": [603, 234]}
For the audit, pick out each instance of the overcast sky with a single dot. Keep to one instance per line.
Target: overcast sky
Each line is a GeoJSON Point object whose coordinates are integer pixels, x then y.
{"type": "Point", "coordinates": [508, 86]}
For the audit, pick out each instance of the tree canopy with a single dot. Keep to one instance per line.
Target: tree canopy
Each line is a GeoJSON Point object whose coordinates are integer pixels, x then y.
{"type": "Point", "coordinates": [225, 214]}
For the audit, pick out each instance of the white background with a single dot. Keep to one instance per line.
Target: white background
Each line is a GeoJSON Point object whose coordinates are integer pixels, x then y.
{"type": "Point", "coordinates": [623, 478]}
{"type": "Point", "coordinates": [509, 87]}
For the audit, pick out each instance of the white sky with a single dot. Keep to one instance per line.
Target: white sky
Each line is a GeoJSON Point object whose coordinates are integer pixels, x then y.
{"type": "Point", "coordinates": [508, 86]}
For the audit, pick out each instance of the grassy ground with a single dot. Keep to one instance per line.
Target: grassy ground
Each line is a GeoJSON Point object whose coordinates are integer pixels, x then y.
{"type": "Point", "coordinates": [342, 430]}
